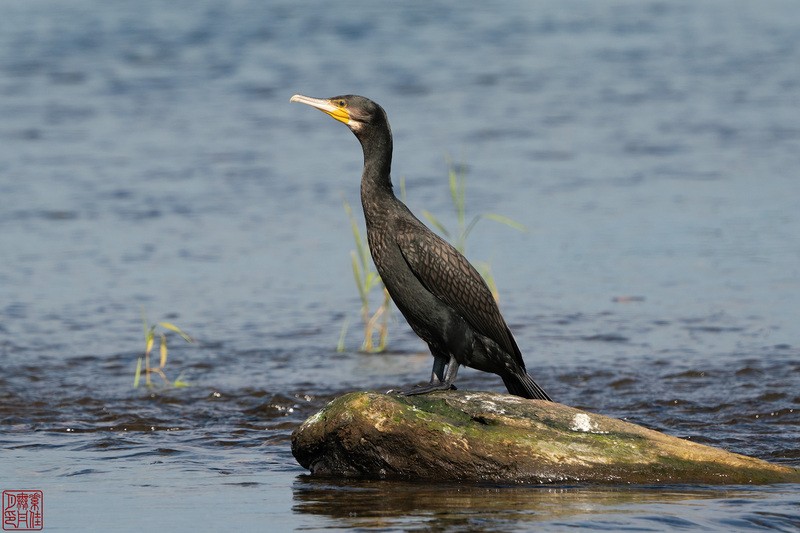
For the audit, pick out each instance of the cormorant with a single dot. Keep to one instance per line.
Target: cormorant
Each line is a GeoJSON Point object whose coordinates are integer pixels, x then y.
{"type": "Point", "coordinates": [441, 295]}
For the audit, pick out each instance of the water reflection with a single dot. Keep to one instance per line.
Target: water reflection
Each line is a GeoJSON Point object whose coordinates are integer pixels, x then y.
{"type": "Point", "coordinates": [383, 504]}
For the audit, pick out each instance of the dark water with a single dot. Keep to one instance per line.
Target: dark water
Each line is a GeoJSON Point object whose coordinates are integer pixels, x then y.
{"type": "Point", "coordinates": [149, 158]}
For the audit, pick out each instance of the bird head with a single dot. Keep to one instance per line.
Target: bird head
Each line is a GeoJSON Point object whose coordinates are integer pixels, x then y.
{"type": "Point", "coordinates": [355, 111]}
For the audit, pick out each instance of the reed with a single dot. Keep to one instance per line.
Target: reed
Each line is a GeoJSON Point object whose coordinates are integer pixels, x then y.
{"type": "Point", "coordinates": [143, 362]}
{"type": "Point", "coordinates": [367, 281]}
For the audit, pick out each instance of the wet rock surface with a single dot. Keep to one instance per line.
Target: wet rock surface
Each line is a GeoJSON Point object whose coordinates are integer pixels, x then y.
{"type": "Point", "coordinates": [488, 437]}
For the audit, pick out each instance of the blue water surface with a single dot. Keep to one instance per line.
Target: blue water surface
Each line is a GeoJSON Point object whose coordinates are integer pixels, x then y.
{"type": "Point", "coordinates": [150, 161]}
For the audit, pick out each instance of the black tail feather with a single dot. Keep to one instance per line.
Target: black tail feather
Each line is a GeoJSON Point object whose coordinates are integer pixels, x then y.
{"type": "Point", "coordinates": [524, 386]}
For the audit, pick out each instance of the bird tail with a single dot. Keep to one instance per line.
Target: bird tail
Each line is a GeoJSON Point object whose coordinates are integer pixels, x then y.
{"type": "Point", "coordinates": [523, 385]}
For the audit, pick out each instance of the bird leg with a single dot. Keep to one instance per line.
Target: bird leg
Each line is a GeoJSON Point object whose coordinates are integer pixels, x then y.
{"type": "Point", "coordinates": [441, 379]}
{"type": "Point", "coordinates": [439, 364]}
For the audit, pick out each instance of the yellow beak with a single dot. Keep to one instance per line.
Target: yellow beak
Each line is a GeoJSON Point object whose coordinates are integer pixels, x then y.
{"type": "Point", "coordinates": [325, 105]}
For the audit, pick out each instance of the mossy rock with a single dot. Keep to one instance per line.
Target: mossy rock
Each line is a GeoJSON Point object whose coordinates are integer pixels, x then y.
{"type": "Point", "coordinates": [485, 437]}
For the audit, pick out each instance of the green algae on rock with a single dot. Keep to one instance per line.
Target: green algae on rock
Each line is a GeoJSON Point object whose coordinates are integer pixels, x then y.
{"type": "Point", "coordinates": [486, 437]}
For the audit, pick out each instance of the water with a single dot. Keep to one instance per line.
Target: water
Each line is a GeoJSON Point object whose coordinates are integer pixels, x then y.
{"type": "Point", "coordinates": [149, 159]}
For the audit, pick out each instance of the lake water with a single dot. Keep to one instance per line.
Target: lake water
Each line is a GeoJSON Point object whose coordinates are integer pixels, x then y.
{"type": "Point", "coordinates": [150, 160]}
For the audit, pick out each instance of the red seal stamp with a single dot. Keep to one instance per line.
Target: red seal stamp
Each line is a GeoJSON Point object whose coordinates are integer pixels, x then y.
{"type": "Point", "coordinates": [23, 510]}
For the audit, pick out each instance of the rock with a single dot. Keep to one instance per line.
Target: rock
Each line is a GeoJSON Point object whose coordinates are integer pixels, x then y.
{"type": "Point", "coordinates": [478, 436]}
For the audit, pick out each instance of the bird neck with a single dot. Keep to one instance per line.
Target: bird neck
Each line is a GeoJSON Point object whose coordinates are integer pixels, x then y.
{"type": "Point", "coordinates": [376, 180]}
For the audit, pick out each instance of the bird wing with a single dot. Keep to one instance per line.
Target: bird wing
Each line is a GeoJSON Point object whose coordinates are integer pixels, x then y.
{"type": "Point", "coordinates": [447, 274]}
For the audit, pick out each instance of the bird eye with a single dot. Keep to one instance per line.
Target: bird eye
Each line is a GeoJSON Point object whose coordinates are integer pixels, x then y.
{"type": "Point", "coordinates": [340, 103]}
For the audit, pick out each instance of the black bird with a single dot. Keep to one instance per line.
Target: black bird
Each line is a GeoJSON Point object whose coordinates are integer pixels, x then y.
{"type": "Point", "coordinates": [441, 295]}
